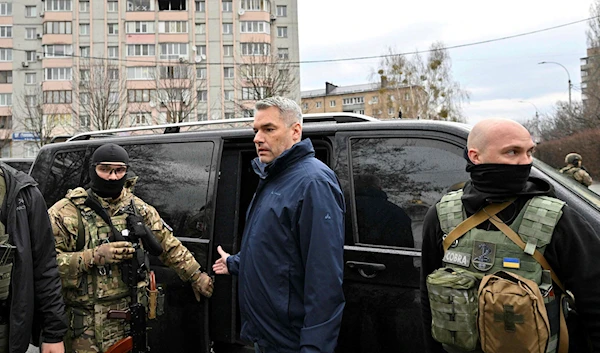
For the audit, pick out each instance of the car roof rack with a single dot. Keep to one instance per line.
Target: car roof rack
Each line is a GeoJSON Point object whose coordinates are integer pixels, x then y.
{"type": "Point", "coordinates": [176, 127]}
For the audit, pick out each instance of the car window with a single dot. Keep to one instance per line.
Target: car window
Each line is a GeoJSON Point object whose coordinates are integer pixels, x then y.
{"type": "Point", "coordinates": [22, 166]}
{"type": "Point", "coordinates": [395, 181]}
{"type": "Point", "coordinates": [174, 178]}
{"type": "Point", "coordinates": [65, 173]}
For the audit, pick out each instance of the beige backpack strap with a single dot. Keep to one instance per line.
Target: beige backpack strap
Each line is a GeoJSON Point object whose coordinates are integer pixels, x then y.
{"type": "Point", "coordinates": [473, 221]}
{"type": "Point", "coordinates": [563, 343]}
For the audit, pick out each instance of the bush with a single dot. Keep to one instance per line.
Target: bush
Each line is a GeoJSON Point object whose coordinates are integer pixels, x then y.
{"type": "Point", "coordinates": [586, 143]}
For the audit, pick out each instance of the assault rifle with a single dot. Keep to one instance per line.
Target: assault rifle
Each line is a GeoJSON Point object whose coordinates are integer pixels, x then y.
{"type": "Point", "coordinates": [133, 271]}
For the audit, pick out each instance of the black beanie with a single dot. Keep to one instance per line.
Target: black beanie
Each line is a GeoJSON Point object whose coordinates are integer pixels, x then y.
{"type": "Point", "coordinates": [110, 153]}
{"type": "Point", "coordinates": [105, 154]}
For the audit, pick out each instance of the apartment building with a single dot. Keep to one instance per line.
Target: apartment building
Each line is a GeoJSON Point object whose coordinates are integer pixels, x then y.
{"type": "Point", "coordinates": [373, 99]}
{"type": "Point", "coordinates": [590, 81]}
{"type": "Point", "coordinates": [78, 65]}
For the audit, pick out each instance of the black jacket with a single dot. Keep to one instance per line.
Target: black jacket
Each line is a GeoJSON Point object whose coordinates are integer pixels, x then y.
{"type": "Point", "coordinates": [35, 295]}
{"type": "Point", "coordinates": [572, 254]}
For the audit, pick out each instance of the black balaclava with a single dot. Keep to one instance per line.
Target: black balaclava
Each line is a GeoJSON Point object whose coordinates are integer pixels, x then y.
{"type": "Point", "coordinates": [105, 154]}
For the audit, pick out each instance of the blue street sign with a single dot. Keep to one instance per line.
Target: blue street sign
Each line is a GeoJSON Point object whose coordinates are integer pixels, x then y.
{"type": "Point", "coordinates": [24, 136]}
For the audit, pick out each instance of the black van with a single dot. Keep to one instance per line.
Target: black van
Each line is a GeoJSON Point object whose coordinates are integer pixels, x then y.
{"type": "Point", "coordinates": [201, 182]}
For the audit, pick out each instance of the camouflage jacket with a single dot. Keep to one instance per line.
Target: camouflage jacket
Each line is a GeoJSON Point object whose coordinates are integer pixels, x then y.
{"type": "Point", "coordinates": [85, 284]}
{"type": "Point", "coordinates": [578, 174]}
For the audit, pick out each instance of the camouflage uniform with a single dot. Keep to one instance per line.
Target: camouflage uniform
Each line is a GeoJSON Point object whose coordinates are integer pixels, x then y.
{"type": "Point", "coordinates": [578, 174]}
{"type": "Point", "coordinates": [90, 291]}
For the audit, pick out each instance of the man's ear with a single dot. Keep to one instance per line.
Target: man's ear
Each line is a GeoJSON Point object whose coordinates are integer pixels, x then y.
{"type": "Point", "coordinates": [297, 132]}
{"type": "Point", "coordinates": [474, 155]}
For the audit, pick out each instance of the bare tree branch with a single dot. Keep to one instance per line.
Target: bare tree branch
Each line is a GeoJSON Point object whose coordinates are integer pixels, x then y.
{"type": "Point", "coordinates": [36, 116]}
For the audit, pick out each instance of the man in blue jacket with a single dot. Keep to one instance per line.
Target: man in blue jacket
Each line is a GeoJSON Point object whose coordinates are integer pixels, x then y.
{"type": "Point", "coordinates": [290, 265]}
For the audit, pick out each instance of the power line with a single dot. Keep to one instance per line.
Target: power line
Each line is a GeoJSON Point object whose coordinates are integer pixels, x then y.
{"type": "Point", "coordinates": [297, 63]}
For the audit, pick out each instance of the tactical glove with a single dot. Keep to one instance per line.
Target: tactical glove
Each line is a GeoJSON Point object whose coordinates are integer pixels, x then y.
{"type": "Point", "coordinates": [202, 284]}
{"type": "Point", "coordinates": [111, 253]}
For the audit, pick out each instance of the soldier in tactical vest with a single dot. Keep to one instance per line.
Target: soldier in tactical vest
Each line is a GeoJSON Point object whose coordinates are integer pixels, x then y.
{"type": "Point", "coordinates": [91, 276]}
{"type": "Point", "coordinates": [499, 160]}
{"type": "Point", "coordinates": [30, 292]}
{"type": "Point", "coordinates": [575, 169]}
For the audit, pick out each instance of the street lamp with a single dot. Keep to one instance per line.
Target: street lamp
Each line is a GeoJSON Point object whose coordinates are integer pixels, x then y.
{"type": "Point", "coordinates": [534, 106]}
{"type": "Point", "coordinates": [568, 75]}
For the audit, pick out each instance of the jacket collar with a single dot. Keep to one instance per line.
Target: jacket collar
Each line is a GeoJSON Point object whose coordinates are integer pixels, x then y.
{"type": "Point", "coordinates": [289, 157]}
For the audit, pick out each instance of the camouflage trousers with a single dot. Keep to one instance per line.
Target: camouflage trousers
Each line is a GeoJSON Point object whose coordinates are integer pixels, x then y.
{"type": "Point", "coordinates": [90, 331]}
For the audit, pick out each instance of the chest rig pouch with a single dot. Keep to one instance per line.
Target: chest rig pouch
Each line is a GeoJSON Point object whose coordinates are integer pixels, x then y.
{"type": "Point", "coordinates": [490, 276]}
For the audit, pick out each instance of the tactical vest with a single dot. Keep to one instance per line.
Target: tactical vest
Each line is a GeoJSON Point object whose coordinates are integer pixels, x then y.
{"type": "Point", "coordinates": [482, 252]}
{"type": "Point", "coordinates": [101, 283]}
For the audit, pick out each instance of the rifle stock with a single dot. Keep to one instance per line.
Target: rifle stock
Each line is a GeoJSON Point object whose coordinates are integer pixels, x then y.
{"type": "Point", "coordinates": [123, 346]}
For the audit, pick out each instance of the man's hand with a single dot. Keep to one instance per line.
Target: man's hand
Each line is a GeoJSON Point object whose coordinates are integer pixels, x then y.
{"type": "Point", "coordinates": [52, 347]}
{"type": "Point", "coordinates": [202, 284]}
{"type": "Point", "coordinates": [220, 266]}
{"type": "Point", "coordinates": [111, 253]}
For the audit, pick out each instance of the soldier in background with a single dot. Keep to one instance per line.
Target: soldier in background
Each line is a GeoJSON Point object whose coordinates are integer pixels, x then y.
{"type": "Point", "coordinates": [91, 277]}
{"type": "Point", "coordinates": [575, 169]}
{"type": "Point", "coordinates": [30, 298]}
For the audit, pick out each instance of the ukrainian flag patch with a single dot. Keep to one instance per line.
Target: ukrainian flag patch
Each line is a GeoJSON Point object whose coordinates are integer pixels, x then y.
{"type": "Point", "coordinates": [511, 262]}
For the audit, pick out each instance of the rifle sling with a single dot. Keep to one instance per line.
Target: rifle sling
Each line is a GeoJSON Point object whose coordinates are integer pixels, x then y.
{"type": "Point", "coordinates": [473, 221]}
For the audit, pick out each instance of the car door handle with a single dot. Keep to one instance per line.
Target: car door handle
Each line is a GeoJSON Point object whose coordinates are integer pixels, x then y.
{"type": "Point", "coordinates": [366, 269]}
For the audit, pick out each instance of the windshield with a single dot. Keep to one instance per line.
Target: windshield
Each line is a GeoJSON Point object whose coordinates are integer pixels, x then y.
{"type": "Point", "coordinates": [581, 190]}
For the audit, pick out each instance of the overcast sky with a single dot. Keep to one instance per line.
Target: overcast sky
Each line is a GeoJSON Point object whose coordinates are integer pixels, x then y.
{"type": "Point", "coordinates": [497, 75]}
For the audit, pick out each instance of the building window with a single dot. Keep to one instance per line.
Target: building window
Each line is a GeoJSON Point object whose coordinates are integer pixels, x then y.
{"type": "Point", "coordinates": [31, 101]}
{"type": "Point", "coordinates": [281, 11]}
{"type": "Point", "coordinates": [390, 111]}
{"type": "Point", "coordinates": [353, 100]}
{"type": "Point", "coordinates": [173, 50]}
{"type": "Point", "coordinates": [332, 103]}
{"type": "Point", "coordinates": [113, 52]}
{"type": "Point", "coordinates": [202, 95]}
{"type": "Point", "coordinates": [58, 5]}
{"type": "Point", "coordinates": [58, 97]}
{"type": "Point", "coordinates": [139, 95]}
{"type": "Point", "coordinates": [283, 53]}
{"type": "Point", "coordinates": [228, 72]}
{"type": "Point", "coordinates": [305, 106]}
{"type": "Point", "coordinates": [113, 28]}
{"type": "Point", "coordinates": [113, 6]}
{"type": "Point", "coordinates": [5, 99]}
{"type": "Point", "coordinates": [5, 31]}
{"type": "Point", "coordinates": [319, 104]}
{"type": "Point", "coordinates": [141, 50]}
{"type": "Point", "coordinates": [84, 121]}
{"type": "Point", "coordinates": [5, 54]}
{"type": "Point", "coordinates": [31, 56]}
{"type": "Point", "coordinates": [6, 122]}
{"type": "Point", "coordinates": [30, 33]}
{"type": "Point", "coordinates": [30, 78]}
{"type": "Point", "coordinates": [256, 5]}
{"type": "Point", "coordinates": [140, 73]}
{"type": "Point", "coordinates": [200, 28]}
{"type": "Point", "coordinates": [84, 29]}
{"type": "Point", "coordinates": [173, 72]}
{"type": "Point", "coordinates": [202, 117]}
{"type": "Point", "coordinates": [375, 99]}
{"type": "Point", "coordinates": [84, 98]}
{"type": "Point", "coordinates": [407, 96]}
{"type": "Point", "coordinates": [282, 32]}
{"type": "Point", "coordinates": [84, 6]}
{"type": "Point", "coordinates": [227, 28]}
{"type": "Point", "coordinates": [200, 6]}
{"type": "Point", "coordinates": [173, 27]}
{"type": "Point", "coordinates": [5, 9]}
{"type": "Point", "coordinates": [6, 76]}
{"type": "Point", "coordinates": [248, 113]}
{"type": "Point", "coordinates": [201, 73]}
{"type": "Point", "coordinates": [139, 27]}
{"type": "Point", "coordinates": [58, 74]}
{"type": "Point", "coordinates": [140, 118]}
{"type": "Point", "coordinates": [227, 6]}
{"type": "Point", "coordinates": [256, 49]}
{"type": "Point", "coordinates": [229, 115]}
{"type": "Point", "coordinates": [30, 149]}
{"type": "Point", "coordinates": [113, 74]}
{"type": "Point", "coordinates": [253, 93]}
{"type": "Point", "coordinates": [228, 50]}
{"type": "Point", "coordinates": [58, 27]}
{"type": "Point", "coordinates": [58, 50]}
{"type": "Point", "coordinates": [84, 51]}
{"type": "Point", "coordinates": [140, 5]}
{"type": "Point", "coordinates": [228, 94]}
{"type": "Point", "coordinates": [30, 11]}
{"type": "Point", "coordinates": [200, 50]}
{"type": "Point", "coordinates": [255, 27]}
